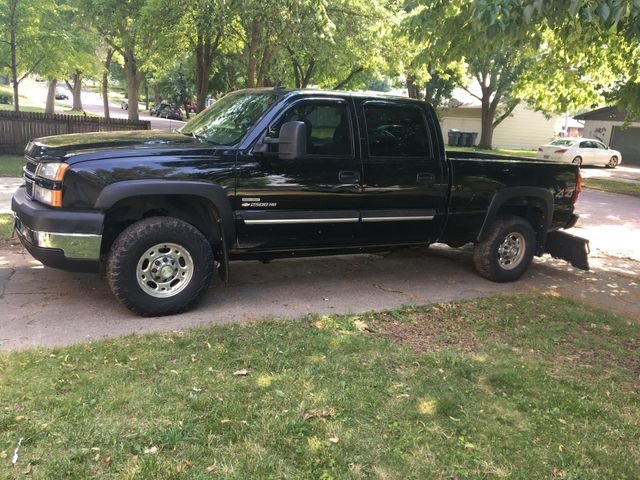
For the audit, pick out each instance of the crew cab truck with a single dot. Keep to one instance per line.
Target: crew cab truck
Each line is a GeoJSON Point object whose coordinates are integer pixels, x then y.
{"type": "Point", "coordinates": [271, 173]}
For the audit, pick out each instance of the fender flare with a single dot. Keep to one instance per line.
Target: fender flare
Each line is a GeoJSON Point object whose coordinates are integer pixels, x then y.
{"type": "Point", "coordinates": [215, 194]}
{"type": "Point", "coordinates": [506, 194]}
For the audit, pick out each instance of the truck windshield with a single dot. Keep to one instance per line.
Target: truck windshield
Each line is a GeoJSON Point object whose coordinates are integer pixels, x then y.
{"type": "Point", "coordinates": [228, 120]}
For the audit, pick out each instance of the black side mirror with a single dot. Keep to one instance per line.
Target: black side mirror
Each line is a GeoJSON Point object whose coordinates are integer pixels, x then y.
{"type": "Point", "coordinates": [292, 143]}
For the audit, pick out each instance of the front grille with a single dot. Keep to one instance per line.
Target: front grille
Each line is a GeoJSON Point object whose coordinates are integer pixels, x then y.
{"type": "Point", "coordinates": [29, 173]}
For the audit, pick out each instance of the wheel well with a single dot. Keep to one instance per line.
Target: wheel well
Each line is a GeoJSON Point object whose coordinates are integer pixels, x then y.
{"type": "Point", "coordinates": [195, 210]}
{"type": "Point", "coordinates": [532, 209]}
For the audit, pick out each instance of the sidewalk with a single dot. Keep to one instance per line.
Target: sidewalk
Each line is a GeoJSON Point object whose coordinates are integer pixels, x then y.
{"type": "Point", "coordinates": [619, 174]}
{"type": "Point", "coordinates": [8, 185]}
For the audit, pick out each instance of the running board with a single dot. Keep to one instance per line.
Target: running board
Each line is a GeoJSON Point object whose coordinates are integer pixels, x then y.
{"type": "Point", "coordinates": [564, 246]}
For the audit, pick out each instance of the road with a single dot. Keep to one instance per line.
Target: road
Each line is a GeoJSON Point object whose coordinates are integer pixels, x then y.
{"type": "Point", "coordinates": [36, 92]}
{"type": "Point", "coordinates": [43, 306]}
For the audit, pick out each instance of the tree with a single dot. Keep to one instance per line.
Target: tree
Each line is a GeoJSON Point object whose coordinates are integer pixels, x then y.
{"type": "Point", "coordinates": [591, 52]}
{"type": "Point", "coordinates": [495, 63]}
{"type": "Point", "coordinates": [30, 28]}
{"type": "Point", "coordinates": [133, 28]}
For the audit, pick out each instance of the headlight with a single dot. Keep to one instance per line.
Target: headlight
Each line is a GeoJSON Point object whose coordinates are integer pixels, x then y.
{"type": "Point", "coordinates": [52, 174]}
{"type": "Point", "coordinates": [52, 171]}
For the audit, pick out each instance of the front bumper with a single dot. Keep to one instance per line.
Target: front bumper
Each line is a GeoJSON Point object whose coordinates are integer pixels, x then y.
{"type": "Point", "coordinates": [69, 240]}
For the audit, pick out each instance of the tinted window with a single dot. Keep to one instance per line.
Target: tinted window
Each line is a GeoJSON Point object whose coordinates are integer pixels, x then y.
{"type": "Point", "coordinates": [396, 131]}
{"type": "Point", "coordinates": [585, 145]}
{"type": "Point", "coordinates": [599, 145]}
{"type": "Point", "coordinates": [328, 130]}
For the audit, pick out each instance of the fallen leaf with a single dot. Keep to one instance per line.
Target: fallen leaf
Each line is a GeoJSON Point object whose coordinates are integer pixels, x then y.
{"type": "Point", "coordinates": [558, 473]}
{"type": "Point", "coordinates": [319, 413]}
{"type": "Point", "coordinates": [184, 466]}
{"type": "Point", "coordinates": [225, 420]}
{"type": "Point", "coordinates": [151, 450]}
{"type": "Point", "coordinates": [106, 460]}
{"type": "Point", "coordinates": [334, 439]}
{"type": "Point", "coordinates": [27, 469]}
{"type": "Point", "coordinates": [211, 468]}
{"type": "Point", "coordinates": [562, 421]}
{"type": "Point", "coordinates": [241, 373]}
{"type": "Point", "coordinates": [19, 418]}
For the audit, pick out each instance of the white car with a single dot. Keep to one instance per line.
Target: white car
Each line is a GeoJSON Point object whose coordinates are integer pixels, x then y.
{"type": "Point", "coordinates": [581, 151]}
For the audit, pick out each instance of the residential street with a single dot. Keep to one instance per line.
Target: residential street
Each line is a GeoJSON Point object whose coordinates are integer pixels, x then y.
{"type": "Point", "coordinates": [42, 306]}
{"type": "Point", "coordinates": [92, 103]}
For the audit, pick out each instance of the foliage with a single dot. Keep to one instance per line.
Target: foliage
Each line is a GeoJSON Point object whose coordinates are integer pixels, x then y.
{"type": "Point", "coordinates": [11, 165]}
{"type": "Point", "coordinates": [592, 51]}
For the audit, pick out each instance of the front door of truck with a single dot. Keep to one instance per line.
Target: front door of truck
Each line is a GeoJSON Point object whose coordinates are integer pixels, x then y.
{"type": "Point", "coordinates": [310, 202]}
{"type": "Point", "coordinates": [405, 182]}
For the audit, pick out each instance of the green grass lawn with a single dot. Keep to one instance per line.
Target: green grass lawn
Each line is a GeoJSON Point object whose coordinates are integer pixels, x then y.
{"type": "Point", "coordinates": [6, 229]}
{"type": "Point", "coordinates": [11, 165]}
{"type": "Point", "coordinates": [497, 151]}
{"type": "Point", "coordinates": [518, 387]}
{"type": "Point", "coordinates": [612, 186]}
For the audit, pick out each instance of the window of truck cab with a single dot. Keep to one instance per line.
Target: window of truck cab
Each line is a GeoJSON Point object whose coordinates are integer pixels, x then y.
{"type": "Point", "coordinates": [328, 122]}
{"type": "Point", "coordinates": [396, 131]}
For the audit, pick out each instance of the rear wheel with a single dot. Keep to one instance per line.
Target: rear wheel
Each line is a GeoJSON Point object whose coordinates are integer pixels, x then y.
{"type": "Point", "coordinates": [160, 266]}
{"type": "Point", "coordinates": [577, 161]}
{"type": "Point", "coordinates": [507, 250]}
{"type": "Point", "coordinates": [613, 162]}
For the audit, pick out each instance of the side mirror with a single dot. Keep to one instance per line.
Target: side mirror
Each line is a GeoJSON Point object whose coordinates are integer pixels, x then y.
{"type": "Point", "coordinates": [292, 143]}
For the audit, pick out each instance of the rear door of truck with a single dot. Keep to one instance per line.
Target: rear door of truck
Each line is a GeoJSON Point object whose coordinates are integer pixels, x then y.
{"type": "Point", "coordinates": [405, 182]}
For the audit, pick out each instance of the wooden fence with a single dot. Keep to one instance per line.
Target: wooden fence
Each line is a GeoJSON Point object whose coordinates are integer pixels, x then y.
{"type": "Point", "coordinates": [17, 129]}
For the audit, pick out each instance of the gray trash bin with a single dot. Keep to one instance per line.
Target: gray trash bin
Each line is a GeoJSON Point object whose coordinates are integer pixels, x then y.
{"type": "Point", "coordinates": [454, 137]}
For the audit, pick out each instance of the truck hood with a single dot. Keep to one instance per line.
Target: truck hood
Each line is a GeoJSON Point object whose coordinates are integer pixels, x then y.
{"type": "Point", "coordinates": [65, 147]}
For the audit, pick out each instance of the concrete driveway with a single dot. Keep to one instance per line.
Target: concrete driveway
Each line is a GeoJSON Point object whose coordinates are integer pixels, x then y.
{"type": "Point", "coordinates": [42, 306]}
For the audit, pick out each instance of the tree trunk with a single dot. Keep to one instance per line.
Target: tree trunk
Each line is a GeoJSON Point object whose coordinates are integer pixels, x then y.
{"type": "Point", "coordinates": [253, 47]}
{"type": "Point", "coordinates": [76, 91]}
{"type": "Point", "coordinates": [412, 88]}
{"type": "Point", "coordinates": [51, 97]}
{"type": "Point", "coordinates": [14, 64]}
{"type": "Point", "coordinates": [134, 78]}
{"type": "Point", "coordinates": [486, 135]}
{"type": "Point", "coordinates": [105, 84]}
{"type": "Point", "coordinates": [203, 71]}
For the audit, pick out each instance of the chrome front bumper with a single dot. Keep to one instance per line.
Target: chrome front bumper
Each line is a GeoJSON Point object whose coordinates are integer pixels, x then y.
{"type": "Point", "coordinates": [79, 246]}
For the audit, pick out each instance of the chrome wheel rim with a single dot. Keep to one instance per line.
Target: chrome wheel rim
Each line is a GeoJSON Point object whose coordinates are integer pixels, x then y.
{"type": "Point", "coordinates": [613, 161]}
{"type": "Point", "coordinates": [511, 251]}
{"type": "Point", "coordinates": [164, 270]}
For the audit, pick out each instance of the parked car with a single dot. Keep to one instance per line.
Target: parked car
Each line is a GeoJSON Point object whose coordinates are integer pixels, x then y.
{"type": "Point", "coordinates": [61, 94]}
{"type": "Point", "coordinates": [157, 108]}
{"type": "Point", "coordinates": [172, 113]}
{"type": "Point", "coordinates": [580, 151]}
{"type": "Point", "coordinates": [265, 174]}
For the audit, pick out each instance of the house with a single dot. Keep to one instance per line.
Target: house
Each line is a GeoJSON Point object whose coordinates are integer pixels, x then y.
{"type": "Point", "coordinates": [524, 129]}
{"type": "Point", "coordinates": [607, 125]}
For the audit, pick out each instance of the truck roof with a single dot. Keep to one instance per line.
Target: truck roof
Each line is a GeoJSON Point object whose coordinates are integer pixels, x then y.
{"type": "Point", "coordinates": [290, 92]}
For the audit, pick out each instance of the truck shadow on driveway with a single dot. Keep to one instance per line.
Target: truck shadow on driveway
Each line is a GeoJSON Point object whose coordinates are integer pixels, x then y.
{"type": "Point", "coordinates": [41, 306]}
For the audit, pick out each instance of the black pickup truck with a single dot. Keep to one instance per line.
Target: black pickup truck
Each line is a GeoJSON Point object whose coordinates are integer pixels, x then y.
{"type": "Point", "coordinates": [264, 174]}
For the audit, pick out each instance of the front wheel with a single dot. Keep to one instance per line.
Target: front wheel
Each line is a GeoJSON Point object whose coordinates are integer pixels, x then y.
{"type": "Point", "coordinates": [613, 162]}
{"type": "Point", "coordinates": [507, 250]}
{"type": "Point", "coordinates": [160, 266]}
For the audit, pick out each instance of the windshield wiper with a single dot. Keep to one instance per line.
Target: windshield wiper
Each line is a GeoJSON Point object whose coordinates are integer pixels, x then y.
{"type": "Point", "coordinates": [201, 138]}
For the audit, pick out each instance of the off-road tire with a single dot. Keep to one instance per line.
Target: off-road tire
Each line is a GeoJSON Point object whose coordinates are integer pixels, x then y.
{"type": "Point", "coordinates": [134, 241]}
{"type": "Point", "coordinates": [486, 253]}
